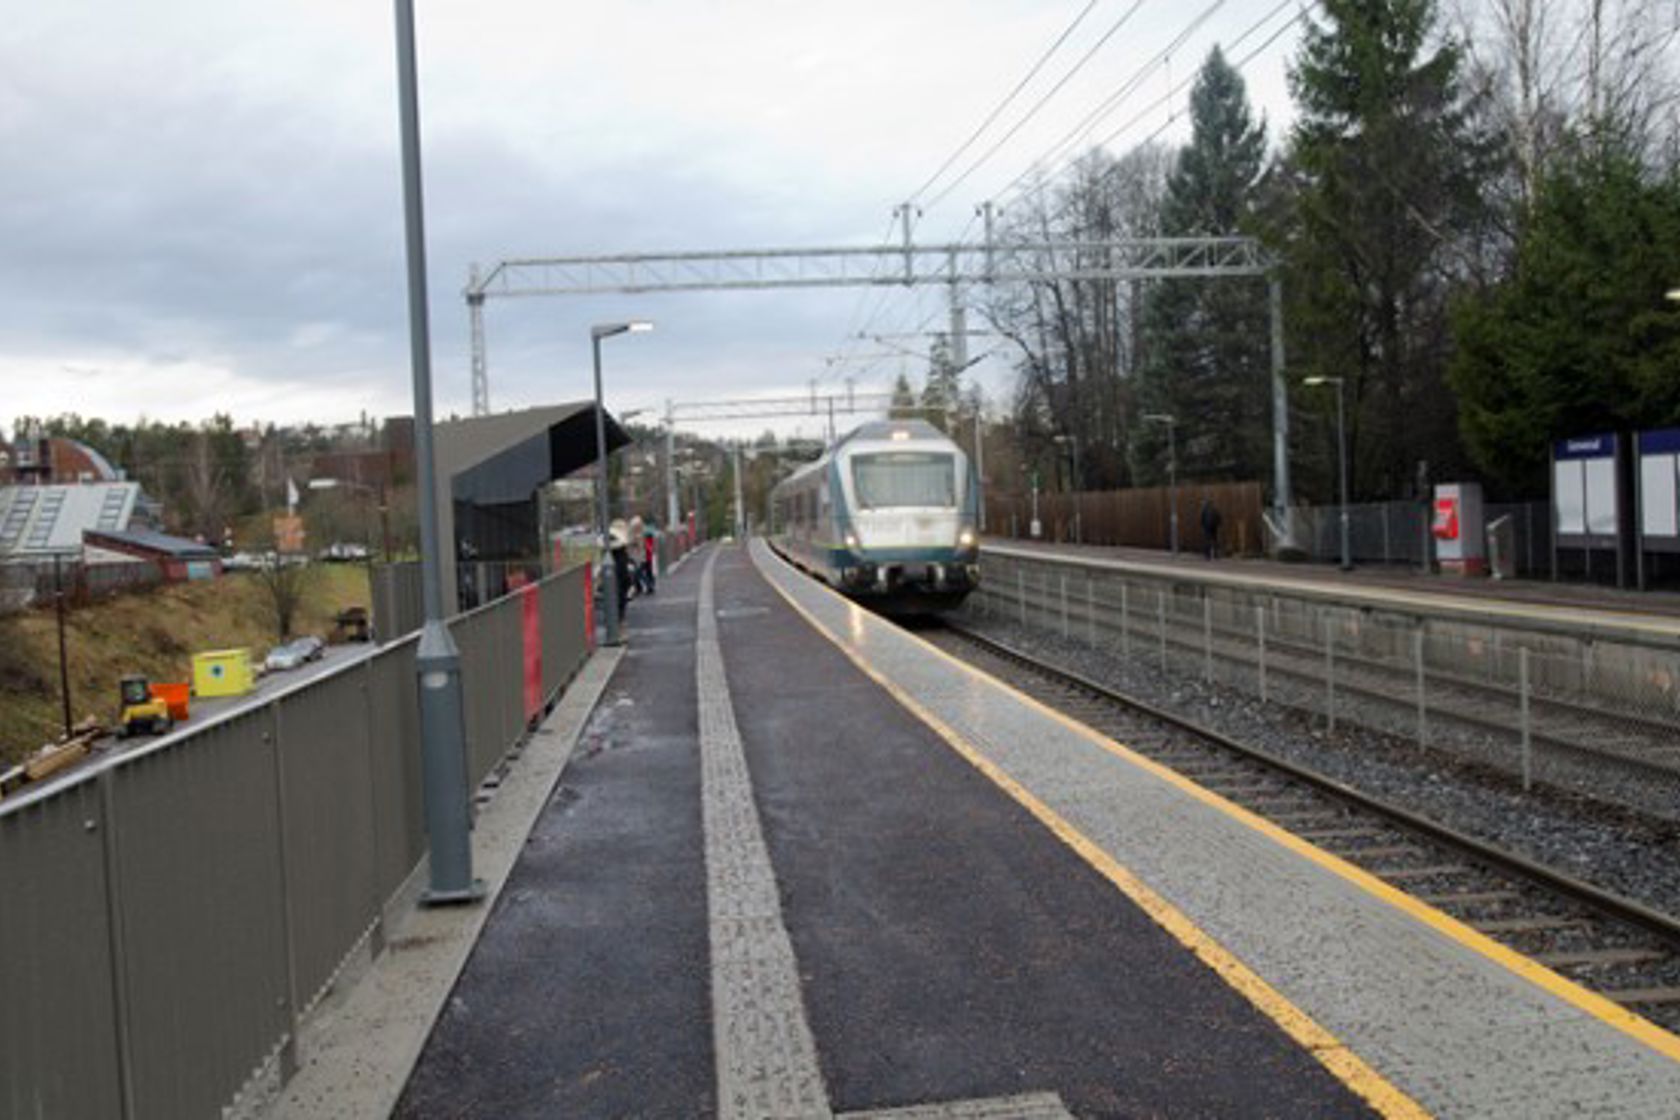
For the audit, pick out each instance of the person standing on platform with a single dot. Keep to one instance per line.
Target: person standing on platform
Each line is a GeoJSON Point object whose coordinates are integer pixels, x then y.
{"type": "Point", "coordinates": [618, 541]}
{"type": "Point", "coordinates": [1210, 528]}
{"type": "Point", "coordinates": [650, 552]}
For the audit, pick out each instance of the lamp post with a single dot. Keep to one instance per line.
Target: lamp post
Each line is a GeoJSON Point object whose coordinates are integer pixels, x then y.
{"type": "Point", "coordinates": [609, 578]}
{"type": "Point", "coordinates": [1171, 422]}
{"type": "Point", "coordinates": [1077, 480]}
{"type": "Point", "coordinates": [1341, 458]}
{"type": "Point", "coordinates": [437, 661]}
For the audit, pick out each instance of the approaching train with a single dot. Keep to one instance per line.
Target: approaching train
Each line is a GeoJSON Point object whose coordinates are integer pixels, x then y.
{"type": "Point", "coordinates": [887, 514]}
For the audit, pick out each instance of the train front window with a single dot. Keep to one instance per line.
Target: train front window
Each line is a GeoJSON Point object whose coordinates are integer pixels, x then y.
{"type": "Point", "coordinates": [892, 479]}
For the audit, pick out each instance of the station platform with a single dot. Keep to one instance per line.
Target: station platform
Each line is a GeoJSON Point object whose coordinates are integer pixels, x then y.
{"type": "Point", "coordinates": [802, 864]}
{"type": "Point", "coordinates": [1588, 608]}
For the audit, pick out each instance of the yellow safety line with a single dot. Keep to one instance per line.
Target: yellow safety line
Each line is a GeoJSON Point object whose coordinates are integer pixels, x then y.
{"type": "Point", "coordinates": [1605, 1010]}
{"type": "Point", "coordinates": [1346, 1066]}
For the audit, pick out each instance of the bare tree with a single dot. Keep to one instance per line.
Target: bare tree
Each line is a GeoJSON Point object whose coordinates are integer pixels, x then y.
{"type": "Point", "coordinates": [207, 489]}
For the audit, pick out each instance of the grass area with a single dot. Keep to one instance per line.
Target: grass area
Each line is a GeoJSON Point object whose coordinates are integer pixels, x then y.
{"type": "Point", "coordinates": [155, 632]}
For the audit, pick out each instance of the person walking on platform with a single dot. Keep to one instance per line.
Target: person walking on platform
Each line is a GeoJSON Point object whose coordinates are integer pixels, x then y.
{"type": "Point", "coordinates": [1210, 529]}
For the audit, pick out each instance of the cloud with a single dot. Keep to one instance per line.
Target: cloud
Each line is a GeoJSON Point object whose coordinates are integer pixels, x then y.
{"type": "Point", "coordinates": [206, 195]}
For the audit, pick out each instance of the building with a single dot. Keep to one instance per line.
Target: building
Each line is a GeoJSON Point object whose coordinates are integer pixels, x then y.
{"type": "Point", "coordinates": [176, 558]}
{"type": "Point", "coordinates": [46, 460]}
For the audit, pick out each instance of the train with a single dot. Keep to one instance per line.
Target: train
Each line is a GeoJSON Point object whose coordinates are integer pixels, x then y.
{"type": "Point", "coordinates": [887, 515]}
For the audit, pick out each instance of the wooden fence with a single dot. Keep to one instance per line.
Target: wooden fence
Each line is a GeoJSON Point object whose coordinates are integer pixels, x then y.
{"type": "Point", "coordinates": [1136, 518]}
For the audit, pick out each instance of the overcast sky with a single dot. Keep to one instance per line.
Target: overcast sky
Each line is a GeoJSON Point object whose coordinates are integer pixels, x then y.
{"type": "Point", "coordinates": [200, 209]}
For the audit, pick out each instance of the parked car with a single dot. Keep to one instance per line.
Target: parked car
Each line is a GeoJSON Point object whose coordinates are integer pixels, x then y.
{"type": "Point", "coordinates": [341, 552]}
{"type": "Point", "coordinates": [242, 562]}
{"type": "Point", "coordinates": [294, 654]}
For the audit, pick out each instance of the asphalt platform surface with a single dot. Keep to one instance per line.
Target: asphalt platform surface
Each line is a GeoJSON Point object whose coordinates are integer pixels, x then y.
{"type": "Point", "coordinates": [948, 946]}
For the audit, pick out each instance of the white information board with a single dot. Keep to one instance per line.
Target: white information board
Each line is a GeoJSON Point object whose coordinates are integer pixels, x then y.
{"type": "Point", "coordinates": [1657, 512]}
{"type": "Point", "coordinates": [1569, 484]}
{"type": "Point", "coordinates": [1602, 517]}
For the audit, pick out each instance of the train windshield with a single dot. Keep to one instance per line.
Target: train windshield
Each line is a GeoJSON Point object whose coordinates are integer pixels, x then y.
{"type": "Point", "coordinates": [889, 479]}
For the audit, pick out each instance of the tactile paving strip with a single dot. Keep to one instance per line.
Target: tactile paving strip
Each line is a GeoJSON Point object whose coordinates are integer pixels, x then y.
{"type": "Point", "coordinates": [766, 1057]}
{"type": "Point", "coordinates": [1455, 1030]}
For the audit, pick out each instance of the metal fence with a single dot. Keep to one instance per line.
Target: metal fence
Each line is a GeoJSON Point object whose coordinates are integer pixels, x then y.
{"type": "Point", "coordinates": [169, 916]}
{"type": "Point", "coordinates": [1398, 533]}
{"type": "Point", "coordinates": [1568, 704]}
{"type": "Point", "coordinates": [27, 583]}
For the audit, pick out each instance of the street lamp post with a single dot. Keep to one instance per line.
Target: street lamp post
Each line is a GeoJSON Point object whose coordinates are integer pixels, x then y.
{"type": "Point", "coordinates": [609, 578]}
{"type": "Point", "coordinates": [378, 494]}
{"type": "Point", "coordinates": [1171, 422]}
{"type": "Point", "coordinates": [1072, 441]}
{"type": "Point", "coordinates": [437, 661]}
{"type": "Point", "coordinates": [1341, 459]}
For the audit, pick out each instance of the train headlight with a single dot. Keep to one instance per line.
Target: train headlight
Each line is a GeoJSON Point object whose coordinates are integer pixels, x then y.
{"type": "Point", "coordinates": [967, 539]}
{"type": "Point", "coordinates": [851, 540]}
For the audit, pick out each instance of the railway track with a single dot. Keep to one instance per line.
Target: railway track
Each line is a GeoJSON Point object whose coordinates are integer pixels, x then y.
{"type": "Point", "coordinates": [1614, 946]}
{"type": "Point", "coordinates": [1636, 742]}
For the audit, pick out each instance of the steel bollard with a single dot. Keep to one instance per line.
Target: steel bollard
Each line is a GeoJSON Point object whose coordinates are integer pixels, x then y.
{"type": "Point", "coordinates": [1422, 693]}
{"type": "Point", "coordinates": [1527, 738]}
{"type": "Point", "coordinates": [1330, 674]}
{"type": "Point", "coordinates": [1125, 630]}
{"type": "Point", "coordinates": [1161, 610]}
{"type": "Point", "coordinates": [1207, 636]}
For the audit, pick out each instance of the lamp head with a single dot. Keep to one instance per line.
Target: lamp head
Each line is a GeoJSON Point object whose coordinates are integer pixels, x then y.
{"type": "Point", "coordinates": [1317, 381]}
{"type": "Point", "coordinates": [607, 330]}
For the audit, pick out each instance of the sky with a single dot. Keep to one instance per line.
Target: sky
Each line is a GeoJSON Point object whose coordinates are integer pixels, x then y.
{"type": "Point", "coordinates": [201, 205]}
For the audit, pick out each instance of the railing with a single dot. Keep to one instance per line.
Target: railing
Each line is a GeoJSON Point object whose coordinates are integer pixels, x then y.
{"type": "Point", "coordinates": [1398, 533]}
{"type": "Point", "coordinates": [1567, 703]}
{"type": "Point", "coordinates": [167, 917]}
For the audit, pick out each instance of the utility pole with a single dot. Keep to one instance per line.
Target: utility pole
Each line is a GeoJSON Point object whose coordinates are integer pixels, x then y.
{"type": "Point", "coordinates": [740, 508]}
{"type": "Point", "coordinates": [980, 453]}
{"type": "Point", "coordinates": [671, 513]}
{"type": "Point", "coordinates": [63, 652]}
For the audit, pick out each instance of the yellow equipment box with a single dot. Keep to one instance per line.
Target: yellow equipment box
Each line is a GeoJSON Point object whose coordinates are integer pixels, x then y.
{"type": "Point", "coordinates": [222, 672]}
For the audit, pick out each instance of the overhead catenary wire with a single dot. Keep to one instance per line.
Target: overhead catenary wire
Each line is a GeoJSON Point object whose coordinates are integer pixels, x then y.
{"type": "Point", "coordinates": [1060, 150]}
{"type": "Point", "coordinates": [1038, 105]}
{"type": "Point", "coordinates": [1008, 99]}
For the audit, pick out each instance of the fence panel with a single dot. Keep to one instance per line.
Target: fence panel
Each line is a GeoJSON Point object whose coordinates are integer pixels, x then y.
{"type": "Point", "coordinates": [202, 913]}
{"type": "Point", "coordinates": [58, 1013]}
{"type": "Point", "coordinates": [394, 716]}
{"type": "Point", "coordinates": [331, 854]}
{"type": "Point", "coordinates": [170, 914]}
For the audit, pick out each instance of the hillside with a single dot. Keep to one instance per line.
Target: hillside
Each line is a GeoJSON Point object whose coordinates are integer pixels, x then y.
{"type": "Point", "coordinates": [155, 633]}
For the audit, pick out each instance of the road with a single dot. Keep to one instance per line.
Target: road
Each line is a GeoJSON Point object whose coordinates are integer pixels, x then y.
{"type": "Point", "coordinates": [204, 711]}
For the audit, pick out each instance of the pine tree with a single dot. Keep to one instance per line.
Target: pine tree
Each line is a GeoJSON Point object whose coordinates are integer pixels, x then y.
{"type": "Point", "coordinates": [1581, 338]}
{"type": "Point", "coordinates": [903, 399]}
{"type": "Point", "coordinates": [1383, 183]}
{"type": "Point", "coordinates": [942, 392]}
{"type": "Point", "coordinates": [1207, 356]}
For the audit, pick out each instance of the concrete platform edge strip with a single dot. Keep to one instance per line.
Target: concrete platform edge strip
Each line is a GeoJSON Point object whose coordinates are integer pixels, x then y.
{"type": "Point", "coordinates": [1342, 1063]}
{"type": "Point", "coordinates": [766, 1055]}
{"type": "Point", "coordinates": [1527, 968]}
{"type": "Point", "coordinates": [358, 1052]}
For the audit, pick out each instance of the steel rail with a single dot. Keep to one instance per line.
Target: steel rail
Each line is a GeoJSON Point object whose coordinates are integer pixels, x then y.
{"type": "Point", "coordinates": [1606, 903]}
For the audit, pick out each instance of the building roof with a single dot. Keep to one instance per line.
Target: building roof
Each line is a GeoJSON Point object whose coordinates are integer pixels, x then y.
{"type": "Point", "coordinates": [176, 548]}
{"type": "Point", "coordinates": [42, 521]}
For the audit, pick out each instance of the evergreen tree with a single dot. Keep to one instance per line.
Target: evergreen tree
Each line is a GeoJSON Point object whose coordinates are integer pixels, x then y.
{"type": "Point", "coordinates": [1382, 192]}
{"type": "Point", "coordinates": [1581, 338]}
{"type": "Point", "coordinates": [942, 393]}
{"type": "Point", "coordinates": [903, 399]}
{"type": "Point", "coordinates": [1206, 346]}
